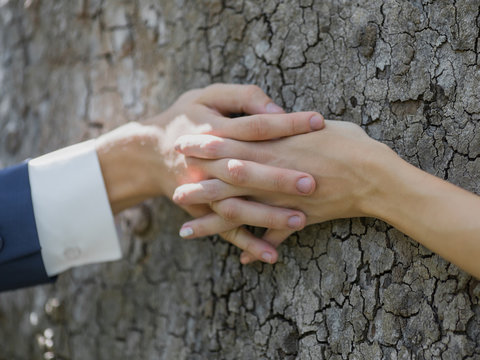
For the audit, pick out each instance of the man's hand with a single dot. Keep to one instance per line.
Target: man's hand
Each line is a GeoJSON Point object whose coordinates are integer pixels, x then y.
{"type": "Point", "coordinates": [139, 161]}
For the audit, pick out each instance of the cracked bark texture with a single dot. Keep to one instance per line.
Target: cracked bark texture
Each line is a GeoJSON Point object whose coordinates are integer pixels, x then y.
{"type": "Point", "coordinates": [407, 71]}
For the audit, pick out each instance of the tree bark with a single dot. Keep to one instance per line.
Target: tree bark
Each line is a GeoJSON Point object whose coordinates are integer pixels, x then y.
{"type": "Point", "coordinates": [408, 72]}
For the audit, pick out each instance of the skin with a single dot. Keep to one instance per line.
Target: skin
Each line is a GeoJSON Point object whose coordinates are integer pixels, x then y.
{"type": "Point", "coordinates": [148, 149]}
{"type": "Point", "coordinates": [355, 176]}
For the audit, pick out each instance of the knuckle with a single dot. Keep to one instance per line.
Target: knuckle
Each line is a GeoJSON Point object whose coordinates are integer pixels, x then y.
{"type": "Point", "coordinates": [231, 235]}
{"type": "Point", "coordinates": [212, 87]}
{"type": "Point", "coordinates": [271, 221]}
{"type": "Point", "coordinates": [237, 172]}
{"type": "Point", "coordinates": [204, 94]}
{"type": "Point", "coordinates": [280, 181]}
{"type": "Point", "coordinates": [257, 127]}
{"type": "Point", "coordinates": [190, 94]}
{"type": "Point", "coordinates": [211, 191]}
{"type": "Point", "coordinates": [253, 91]}
{"type": "Point", "coordinates": [229, 211]}
{"type": "Point", "coordinates": [200, 230]}
{"type": "Point", "coordinates": [292, 125]}
{"type": "Point", "coordinates": [212, 148]}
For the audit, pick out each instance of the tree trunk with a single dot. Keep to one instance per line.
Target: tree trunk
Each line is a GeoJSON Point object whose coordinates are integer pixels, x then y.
{"type": "Point", "coordinates": [408, 72]}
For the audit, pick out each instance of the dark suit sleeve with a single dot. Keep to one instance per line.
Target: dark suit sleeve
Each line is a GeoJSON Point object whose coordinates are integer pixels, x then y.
{"type": "Point", "coordinates": [21, 262]}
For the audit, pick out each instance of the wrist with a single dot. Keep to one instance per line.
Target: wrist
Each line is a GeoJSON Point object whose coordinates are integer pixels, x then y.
{"type": "Point", "coordinates": [383, 169]}
{"type": "Point", "coordinates": [129, 160]}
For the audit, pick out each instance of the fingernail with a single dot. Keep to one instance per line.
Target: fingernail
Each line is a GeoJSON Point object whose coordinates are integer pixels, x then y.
{"type": "Point", "coordinates": [177, 196]}
{"type": "Point", "coordinates": [294, 222]}
{"type": "Point", "coordinates": [273, 108]}
{"type": "Point", "coordinates": [316, 122]}
{"type": "Point", "coordinates": [304, 185]}
{"type": "Point", "coordinates": [186, 231]}
{"type": "Point", "coordinates": [267, 257]}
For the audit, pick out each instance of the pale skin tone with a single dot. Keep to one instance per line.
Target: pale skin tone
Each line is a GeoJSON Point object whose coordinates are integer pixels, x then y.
{"type": "Point", "coordinates": [355, 176]}
{"type": "Point", "coordinates": [139, 160]}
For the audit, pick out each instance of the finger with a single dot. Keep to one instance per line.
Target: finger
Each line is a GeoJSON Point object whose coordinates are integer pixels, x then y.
{"type": "Point", "coordinates": [213, 147]}
{"type": "Point", "coordinates": [249, 128]}
{"type": "Point", "coordinates": [257, 248]}
{"type": "Point", "coordinates": [205, 192]}
{"type": "Point", "coordinates": [237, 99]}
{"type": "Point", "coordinates": [267, 127]}
{"type": "Point", "coordinates": [210, 224]}
{"type": "Point", "coordinates": [273, 236]}
{"type": "Point", "coordinates": [276, 237]}
{"type": "Point", "coordinates": [197, 210]}
{"type": "Point", "coordinates": [252, 175]}
{"type": "Point", "coordinates": [242, 211]}
{"type": "Point", "coordinates": [232, 212]}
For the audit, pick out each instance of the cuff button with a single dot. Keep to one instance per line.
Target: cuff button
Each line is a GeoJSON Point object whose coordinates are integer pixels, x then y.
{"type": "Point", "coordinates": [72, 253]}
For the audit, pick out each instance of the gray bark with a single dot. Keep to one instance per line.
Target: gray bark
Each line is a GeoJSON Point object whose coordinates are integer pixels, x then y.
{"type": "Point", "coordinates": [407, 71]}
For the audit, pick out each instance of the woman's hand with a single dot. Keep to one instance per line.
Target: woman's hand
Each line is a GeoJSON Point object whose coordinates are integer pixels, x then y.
{"type": "Point", "coordinates": [339, 157]}
{"type": "Point", "coordinates": [355, 176]}
{"type": "Point", "coordinates": [140, 161]}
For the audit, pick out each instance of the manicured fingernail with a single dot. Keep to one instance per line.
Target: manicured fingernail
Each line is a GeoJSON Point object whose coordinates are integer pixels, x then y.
{"type": "Point", "coordinates": [186, 231]}
{"type": "Point", "coordinates": [267, 257]}
{"type": "Point", "coordinates": [177, 196]}
{"type": "Point", "coordinates": [304, 185]}
{"type": "Point", "coordinates": [273, 108]}
{"type": "Point", "coordinates": [316, 122]}
{"type": "Point", "coordinates": [244, 258]}
{"type": "Point", "coordinates": [294, 222]}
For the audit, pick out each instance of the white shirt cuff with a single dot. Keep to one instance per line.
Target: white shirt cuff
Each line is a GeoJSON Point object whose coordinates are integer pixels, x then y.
{"type": "Point", "coordinates": [74, 220]}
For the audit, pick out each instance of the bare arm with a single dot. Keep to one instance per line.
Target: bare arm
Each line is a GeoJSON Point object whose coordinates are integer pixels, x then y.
{"type": "Point", "coordinates": [436, 213]}
{"type": "Point", "coordinates": [358, 176]}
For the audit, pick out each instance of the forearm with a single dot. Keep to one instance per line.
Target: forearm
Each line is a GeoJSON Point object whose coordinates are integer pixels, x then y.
{"type": "Point", "coordinates": [437, 214]}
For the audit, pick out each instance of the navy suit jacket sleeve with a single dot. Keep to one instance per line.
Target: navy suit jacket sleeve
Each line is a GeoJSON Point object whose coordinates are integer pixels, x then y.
{"type": "Point", "coordinates": [21, 262]}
